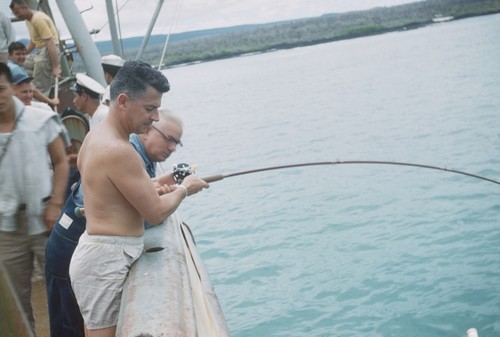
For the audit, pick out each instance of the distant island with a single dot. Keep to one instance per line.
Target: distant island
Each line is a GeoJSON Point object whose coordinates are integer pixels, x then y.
{"type": "Point", "coordinates": [213, 44]}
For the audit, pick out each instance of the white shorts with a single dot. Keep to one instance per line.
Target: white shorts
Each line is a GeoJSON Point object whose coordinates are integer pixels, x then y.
{"type": "Point", "coordinates": [98, 271]}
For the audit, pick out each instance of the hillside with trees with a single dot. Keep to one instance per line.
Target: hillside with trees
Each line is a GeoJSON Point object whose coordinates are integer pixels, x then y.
{"type": "Point", "coordinates": [231, 42]}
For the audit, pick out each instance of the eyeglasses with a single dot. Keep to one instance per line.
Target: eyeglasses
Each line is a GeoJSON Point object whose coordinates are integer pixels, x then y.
{"type": "Point", "coordinates": [168, 139]}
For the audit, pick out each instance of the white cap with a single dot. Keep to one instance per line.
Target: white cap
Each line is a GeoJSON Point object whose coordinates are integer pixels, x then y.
{"type": "Point", "coordinates": [88, 84]}
{"type": "Point", "coordinates": [113, 60]}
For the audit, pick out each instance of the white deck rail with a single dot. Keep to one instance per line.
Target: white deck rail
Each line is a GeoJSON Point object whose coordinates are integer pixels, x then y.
{"type": "Point", "coordinates": [168, 291]}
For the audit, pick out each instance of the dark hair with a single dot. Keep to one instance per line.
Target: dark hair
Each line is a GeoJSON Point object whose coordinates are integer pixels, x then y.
{"type": "Point", "coordinates": [5, 70]}
{"type": "Point", "coordinates": [110, 69]}
{"type": "Point", "coordinates": [16, 45]}
{"type": "Point", "coordinates": [134, 77]}
{"type": "Point", "coordinates": [17, 2]}
{"type": "Point", "coordinates": [81, 89]}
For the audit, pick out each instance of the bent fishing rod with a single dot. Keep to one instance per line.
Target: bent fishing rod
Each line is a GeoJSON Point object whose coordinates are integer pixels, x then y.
{"type": "Point", "coordinates": [218, 177]}
{"type": "Point", "coordinates": [182, 170]}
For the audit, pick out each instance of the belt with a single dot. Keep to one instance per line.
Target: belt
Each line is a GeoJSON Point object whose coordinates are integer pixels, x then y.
{"type": "Point", "coordinates": [22, 207]}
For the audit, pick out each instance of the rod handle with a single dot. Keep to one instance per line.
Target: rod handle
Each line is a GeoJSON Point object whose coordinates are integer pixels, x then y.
{"type": "Point", "coordinates": [211, 179]}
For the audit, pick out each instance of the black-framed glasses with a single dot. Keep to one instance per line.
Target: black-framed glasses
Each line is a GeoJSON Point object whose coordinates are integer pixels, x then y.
{"type": "Point", "coordinates": [168, 139]}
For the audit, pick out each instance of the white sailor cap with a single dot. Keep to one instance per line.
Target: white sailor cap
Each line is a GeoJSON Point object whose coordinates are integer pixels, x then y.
{"type": "Point", "coordinates": [113, 60]}
{"type": "Point", "coordinates": [88, 85]}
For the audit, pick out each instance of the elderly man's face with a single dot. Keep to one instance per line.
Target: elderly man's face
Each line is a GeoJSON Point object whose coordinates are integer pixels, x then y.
{"type": "Point", "coordinates": [163, 138]}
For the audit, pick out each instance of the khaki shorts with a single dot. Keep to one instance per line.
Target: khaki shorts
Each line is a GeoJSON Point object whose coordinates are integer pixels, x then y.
{"type": "Point", "coordinates": [98, 270]}
{"type": "Point", "coordinates": [39, 66]}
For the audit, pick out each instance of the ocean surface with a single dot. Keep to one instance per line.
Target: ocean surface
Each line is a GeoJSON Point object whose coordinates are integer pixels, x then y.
{"type": "Point", "coordinates": [350, 250]}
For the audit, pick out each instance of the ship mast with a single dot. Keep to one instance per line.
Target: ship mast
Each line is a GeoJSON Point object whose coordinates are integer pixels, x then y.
{"type": "Point", "coordinates": [86, 47]}
{"type": "Point", "coordinates": [115, 39]}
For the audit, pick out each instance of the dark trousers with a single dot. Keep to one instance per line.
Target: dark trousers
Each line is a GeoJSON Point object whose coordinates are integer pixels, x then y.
{"type": "Point", "coordinates": [64, 313]}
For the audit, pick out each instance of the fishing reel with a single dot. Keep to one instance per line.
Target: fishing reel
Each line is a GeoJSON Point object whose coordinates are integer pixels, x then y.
{"type": "Point", "coordinates": [181, 171]}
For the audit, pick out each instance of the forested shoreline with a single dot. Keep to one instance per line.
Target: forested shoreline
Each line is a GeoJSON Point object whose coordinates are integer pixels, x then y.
{"type": "Point", "coordinates": [310, 31]}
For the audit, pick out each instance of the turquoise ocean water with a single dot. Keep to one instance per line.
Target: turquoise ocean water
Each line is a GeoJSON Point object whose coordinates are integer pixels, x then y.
{"type": "Point", "coordinates": [350, 250]}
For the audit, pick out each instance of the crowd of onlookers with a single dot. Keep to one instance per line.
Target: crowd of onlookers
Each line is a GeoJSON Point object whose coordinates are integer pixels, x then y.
{"type": "Point", "coordinates": [42, 185]}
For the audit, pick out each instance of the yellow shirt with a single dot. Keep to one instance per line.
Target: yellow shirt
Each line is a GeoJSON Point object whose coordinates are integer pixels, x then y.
{"type": "Point", "coordinates": [41, 28]}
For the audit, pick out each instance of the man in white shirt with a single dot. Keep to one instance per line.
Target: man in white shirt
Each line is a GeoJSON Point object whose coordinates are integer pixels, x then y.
{"type": "Point", "coordinates": [87, 93]}
{"type": "Point", "coordinates": [110, 65]}
{"type": "Point", "coordinates": [32, 188]}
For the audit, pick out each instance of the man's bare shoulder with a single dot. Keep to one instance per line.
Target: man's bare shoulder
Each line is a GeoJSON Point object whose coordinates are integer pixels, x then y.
{"type": "Point", "coordinates": [111, 150]}
{"type": "Point", "coordinates": [104, 148]}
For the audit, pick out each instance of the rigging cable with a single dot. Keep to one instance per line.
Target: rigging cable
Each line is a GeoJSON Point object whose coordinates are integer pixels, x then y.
{"type": "Point", "coordinates": [116, 13]}
{"type": "Point", "coordinates": [119, 26]}
{"type": "Point", "coordinates": [173, 22]}
{"type": "Point", "coordinates": [340, 162]}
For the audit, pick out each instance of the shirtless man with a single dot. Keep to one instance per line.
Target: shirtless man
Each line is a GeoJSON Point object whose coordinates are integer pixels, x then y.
{"type": "Point", "coordinates": [118, 196]}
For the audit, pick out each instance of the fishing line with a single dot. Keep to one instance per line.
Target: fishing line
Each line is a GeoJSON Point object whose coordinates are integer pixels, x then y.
{"type": "Point", "coordinates": [172, 24]}
{"type": "Point", "coordinates": [116, 13]}
{"type": "Point", "coordinates": [343, 162]}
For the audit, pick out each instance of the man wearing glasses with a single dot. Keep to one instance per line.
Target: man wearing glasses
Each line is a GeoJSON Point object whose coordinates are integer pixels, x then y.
{"type": "Point", "coordinates": [154, 146]}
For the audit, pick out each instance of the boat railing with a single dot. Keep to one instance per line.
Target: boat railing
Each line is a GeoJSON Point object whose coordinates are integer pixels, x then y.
{"type": "Point", "coordinates": [168, 291]}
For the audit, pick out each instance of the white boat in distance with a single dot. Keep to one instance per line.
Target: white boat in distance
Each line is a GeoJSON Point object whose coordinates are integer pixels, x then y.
{"type": "Point", "coordinates": [440, 18]}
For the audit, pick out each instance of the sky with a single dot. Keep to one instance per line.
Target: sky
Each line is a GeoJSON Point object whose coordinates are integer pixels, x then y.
{"type": "Point", "coordinates": [189, 15]}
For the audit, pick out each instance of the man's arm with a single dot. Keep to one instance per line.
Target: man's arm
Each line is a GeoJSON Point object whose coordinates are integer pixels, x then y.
{"type": "Point", "coordinates": [29, 47]}
{"type": "Point", "coordinates": [9, 31]}
{"type": "Point", "coordinates": [60, 167]}
{"type": "Point", "coordinates": [54, 56]}
{"type": "Point", "coordinates": [136, 186]}
{"type": "Point", "coordinates": [39, 96]}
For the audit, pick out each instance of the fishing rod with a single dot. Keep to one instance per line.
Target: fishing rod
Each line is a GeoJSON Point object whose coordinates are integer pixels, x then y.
{"type": "Point", "coordinates": [182, 170]}
{"type": "Point", "coordinates": [218, 177]}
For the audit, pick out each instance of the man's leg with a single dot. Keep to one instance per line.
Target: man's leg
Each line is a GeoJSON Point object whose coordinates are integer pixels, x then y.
{"type": "Point", "coordinates": [42, 72]}
{"type": "Point", "coordinates": [107, 332]}
{"type": "Point", "coordinates": [17, 259]}
{"type": "Point", "coordinates": [64, 313]}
